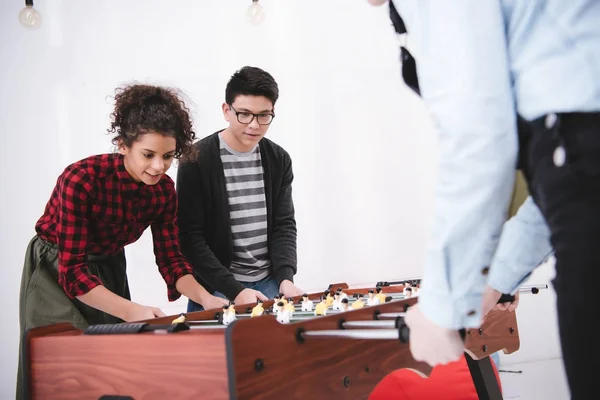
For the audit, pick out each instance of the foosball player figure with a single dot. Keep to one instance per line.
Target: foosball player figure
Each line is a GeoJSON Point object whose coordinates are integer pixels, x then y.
{"type": "Point", "coordinates": [229, 313]}
{"type": "Point", "coordinates": [380, 295]}
{"type": "Point", "coordinates": [336, 301]}
{"type": "Point", "coordinates": [276, 300]}
{"type": "Point", "coordinates": [344, 305]}
{"type": "Point", "coordinates": [307, 304]}
{"type": "Point", "coordinates": [328, 298]}
{"type": "Point", "coordinates": [258, 309]}
{"type": "Point", "coordinates": [283, 314]}
{"type": "Point", "coordinates": [321, 308]}
{"type": "Point", "coordinates": [289, 306]}
{"type": "Point", "coordinates": [179, 319]}
{"type": "Point", "coordinates": [341, 293]}
{"type": "Point", "coordinates": [408, 292]}
{"type": "Point", "coordinates": [371, 299]}
{"type": "Point", "coordinates": [407, 288]}
{"type": "Point", "coordinates": [359, 303]}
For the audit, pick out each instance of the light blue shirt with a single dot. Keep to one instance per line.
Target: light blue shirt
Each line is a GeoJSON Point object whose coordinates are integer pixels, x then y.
{"type": "Point", "coordinates": [524, 244]}
{"type": "Point", "coordinates": [480, 62]}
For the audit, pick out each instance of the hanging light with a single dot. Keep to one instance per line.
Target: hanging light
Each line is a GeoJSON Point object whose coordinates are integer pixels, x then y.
{"type": "Point", "coordinates": [255, 13]}
{"type": "Point", "coordinates": [29, 17]}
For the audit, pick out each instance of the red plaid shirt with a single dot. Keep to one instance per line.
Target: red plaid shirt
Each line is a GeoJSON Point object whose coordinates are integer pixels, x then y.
{"type": "Point", "coordinates": [96, 207]}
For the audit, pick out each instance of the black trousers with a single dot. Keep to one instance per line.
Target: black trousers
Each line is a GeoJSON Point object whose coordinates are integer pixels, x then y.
{"type": "Point", "coordinates": [566, 187]}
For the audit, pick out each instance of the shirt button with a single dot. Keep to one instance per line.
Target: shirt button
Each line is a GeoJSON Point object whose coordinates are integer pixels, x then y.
{"type": "Point", "coordinates": [485, 270]}
{"type": "Point", "coordinates": [471, 313]}
{"type": "Point", "coordinates": [559, 157]}
{"type": "Point", "coordinates": [550, 120]}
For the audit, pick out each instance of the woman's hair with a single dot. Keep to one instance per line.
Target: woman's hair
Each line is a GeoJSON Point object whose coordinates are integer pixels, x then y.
{"type": "Point", "coordinates": [141, 109]}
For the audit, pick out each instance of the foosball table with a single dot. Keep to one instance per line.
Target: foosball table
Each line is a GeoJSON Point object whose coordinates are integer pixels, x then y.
{"type": "Point", "coordinates": [337, 343]}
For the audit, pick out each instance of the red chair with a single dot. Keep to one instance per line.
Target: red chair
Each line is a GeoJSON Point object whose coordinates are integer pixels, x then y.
{"type": "Point", "coordinates": [452, 381]}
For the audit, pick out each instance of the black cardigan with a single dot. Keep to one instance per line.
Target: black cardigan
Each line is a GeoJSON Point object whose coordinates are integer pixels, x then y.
{"type": "Point", "coordinates": [204, 226]}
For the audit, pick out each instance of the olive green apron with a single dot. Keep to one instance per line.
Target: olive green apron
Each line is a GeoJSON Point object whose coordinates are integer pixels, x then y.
{"type": "Point", "coordinates": [520, 194]}
{"type": "Point", "coordinates": [42, 301]}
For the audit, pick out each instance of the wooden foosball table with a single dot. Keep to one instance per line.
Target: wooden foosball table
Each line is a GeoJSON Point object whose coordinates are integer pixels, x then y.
{"type": "Point", "coordinates": [219, 354]}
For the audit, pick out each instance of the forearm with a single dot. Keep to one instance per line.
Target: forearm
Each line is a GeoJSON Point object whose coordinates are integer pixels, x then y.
{"type": "Point", "coordinates": [284, 237]}
{"type": "Point", "coordinates": [524, 244]}
{"type": "Point", "coordinates": [106, 301]}
{"type": "Point", "coordinates": [190, 288]}
{"type": "Point", "coordinates": [208, 267]}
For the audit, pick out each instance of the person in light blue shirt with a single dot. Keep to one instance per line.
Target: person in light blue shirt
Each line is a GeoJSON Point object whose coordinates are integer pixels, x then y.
{"type": "Point", "coordinates": [480, 66]}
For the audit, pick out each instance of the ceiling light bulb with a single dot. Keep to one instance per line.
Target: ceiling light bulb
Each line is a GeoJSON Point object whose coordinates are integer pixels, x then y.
{"type": "Point", "coordinates": [255, 13]}
{"type": "Point", "coordinates": [29, 17]}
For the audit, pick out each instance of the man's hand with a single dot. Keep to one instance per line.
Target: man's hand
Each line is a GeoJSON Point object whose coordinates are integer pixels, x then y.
{"type": "Point", "coordinates": [432, 343]}
{"type": "Point", "coordinates": [210, 302]}
{"type": "Point", "coordinates": [490, 301]}
{"type": "Point", "coordinates": [249, 296]}
{"type": "Point", "coordinates": [288, 289]}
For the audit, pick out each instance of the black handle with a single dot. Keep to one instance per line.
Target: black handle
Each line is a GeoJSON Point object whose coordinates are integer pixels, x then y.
{"type": "Point", "coordinates": [506, 298]}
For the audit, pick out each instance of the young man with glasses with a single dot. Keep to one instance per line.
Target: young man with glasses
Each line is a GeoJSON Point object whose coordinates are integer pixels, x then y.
{"type": "Point", "coordinates": [236, 214]}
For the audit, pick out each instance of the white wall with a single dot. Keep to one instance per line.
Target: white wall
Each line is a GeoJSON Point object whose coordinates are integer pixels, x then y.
{"type": "Point", "coordinates": [362, 146]}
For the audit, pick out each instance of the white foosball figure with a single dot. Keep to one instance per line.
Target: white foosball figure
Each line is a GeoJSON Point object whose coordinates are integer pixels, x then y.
{"type": "Point", "coordinates": [228, 314]}
{"type": "Point", "coordinates": [276, 300]}
{"type": "Point", "coordinates": [341, 293]}
{"type": "Point", "coordinates": [283, 313]}
{"type": "Point", "coordinates": [307, 305]}
{"type": "Point", "coordinates": [336, 305]}
{"type": "Point", "coordinates": [409, 290]}
{"type": "Point", "coordinates": [372, 300]}
{"type": "Point", "coordinates": [344, 304]}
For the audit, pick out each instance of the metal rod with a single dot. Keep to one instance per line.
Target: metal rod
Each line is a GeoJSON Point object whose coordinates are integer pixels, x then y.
{"type": "Point", "coordinates": [375, 334]}
{"type": "Point", "coordinates": [392, 315]}
{"type": "Point", "coordinates": [370, 324]}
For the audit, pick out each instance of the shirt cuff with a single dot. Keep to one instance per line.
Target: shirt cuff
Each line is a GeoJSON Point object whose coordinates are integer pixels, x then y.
{"type": "Point", "coordinates": [451, 313]}
{"type": "Point", "coordinates": [284, 273]}
{"type": "Point", "coordinates": [177, 271]}
{"type": "Point", "coordinates": [507, 280]}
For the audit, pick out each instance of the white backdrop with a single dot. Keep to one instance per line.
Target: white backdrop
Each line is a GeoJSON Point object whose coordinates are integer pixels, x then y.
{"type": "Point", "coordinates": [362, 146]}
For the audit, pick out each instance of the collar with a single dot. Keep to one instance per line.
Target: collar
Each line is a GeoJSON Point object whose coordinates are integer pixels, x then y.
{"type": "Point", "coordinates": [127, 182]}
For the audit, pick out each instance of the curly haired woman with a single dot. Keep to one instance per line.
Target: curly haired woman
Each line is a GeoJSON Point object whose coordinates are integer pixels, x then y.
{"type": "Point", "coordinates": [75, 268]}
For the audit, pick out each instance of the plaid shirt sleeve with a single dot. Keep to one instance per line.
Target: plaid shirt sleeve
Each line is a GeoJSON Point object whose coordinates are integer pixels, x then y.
{"type": "Point", "coordinates": [72, 233]}
{"type": "Point", "coordinates": [171, 263]}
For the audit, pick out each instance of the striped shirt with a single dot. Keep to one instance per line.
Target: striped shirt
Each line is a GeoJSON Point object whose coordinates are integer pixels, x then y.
{"type": "Point", "coordinates": [247, 212]}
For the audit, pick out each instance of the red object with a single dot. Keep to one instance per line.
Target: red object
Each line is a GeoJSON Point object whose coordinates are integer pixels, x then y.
{"type": "Point", "coordinates": [449, 382]}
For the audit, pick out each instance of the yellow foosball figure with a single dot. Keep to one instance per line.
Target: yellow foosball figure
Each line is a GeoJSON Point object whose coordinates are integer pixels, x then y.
{"type": "Point", "coordinates": [179, 319]}
{"type": "Point", "coordinates": [321, 308]}
{"type": "Point", "coordinates": [328, 298]}
{"type": "Point", "coordinates": [359, 303]}
{"type": "Point", "coordinates": [258, 309]}
{"type": "Point", "coordinates": [380, 295]}
{"type": "Point", "coordinates": [289, 306]}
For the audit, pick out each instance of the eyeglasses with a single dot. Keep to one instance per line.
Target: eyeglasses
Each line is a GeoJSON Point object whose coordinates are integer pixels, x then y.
{"type": "Point", "coordinates": [409, 66]}
{"type": "Point", "coordinates": [245, 117]}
